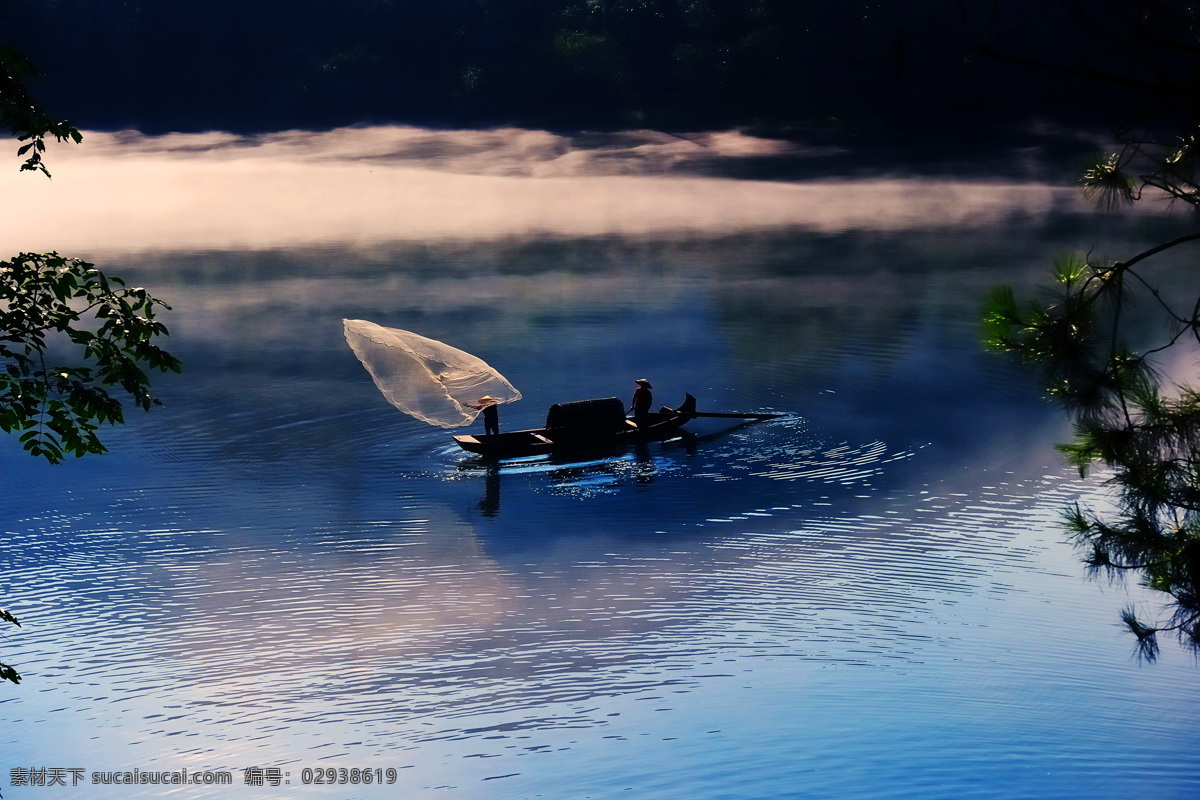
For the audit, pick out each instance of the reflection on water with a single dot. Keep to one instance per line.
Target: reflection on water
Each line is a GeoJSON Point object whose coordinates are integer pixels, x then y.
{"type": "Point", "coordinates": [867, 598]}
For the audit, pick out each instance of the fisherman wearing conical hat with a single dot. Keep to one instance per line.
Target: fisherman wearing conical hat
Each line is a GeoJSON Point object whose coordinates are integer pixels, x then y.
{"type": "Point", "coordinates": [642, 399]}
{"type": "Point", "coordinates": [491, 416]}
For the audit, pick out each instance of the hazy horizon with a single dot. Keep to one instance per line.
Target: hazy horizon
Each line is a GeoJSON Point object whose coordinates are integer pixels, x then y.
{"type": "Point", "coordinates": [125, 191]}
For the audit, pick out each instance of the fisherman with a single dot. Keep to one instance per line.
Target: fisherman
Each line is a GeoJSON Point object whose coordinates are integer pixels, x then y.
{"type": "Point", "coordinates": [491, 415]}
{"type": "Point", "coordinates": [640, 406]}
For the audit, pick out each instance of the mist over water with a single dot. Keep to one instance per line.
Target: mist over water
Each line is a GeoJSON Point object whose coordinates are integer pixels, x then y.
{"type": "Point", "coordinates": [870, 597]}
{"type": "Point", "coordinates": [367, 187]}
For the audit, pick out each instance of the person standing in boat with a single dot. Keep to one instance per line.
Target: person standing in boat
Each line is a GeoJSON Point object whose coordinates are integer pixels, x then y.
{"type": "Point", "coordinates": [642, 399]}
{"type": "Point", "coordinates": [491, 415]}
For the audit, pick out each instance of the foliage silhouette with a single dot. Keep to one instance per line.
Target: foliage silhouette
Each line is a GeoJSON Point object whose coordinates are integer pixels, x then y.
{"type": "Point", "coordinates": [23, 117]}
{"type": "Point", "coordinates": [7, 673]}
{"type": "Point", "coordinates": [57, 410]}
{"type": "Point", "coordinates": [47, 300]}
{"type": "Point", "coordinates": [1127, 416]}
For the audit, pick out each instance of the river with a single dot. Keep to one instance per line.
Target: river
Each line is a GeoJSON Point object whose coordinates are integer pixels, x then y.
{"type": "Point", "coordinates": [870, 597]}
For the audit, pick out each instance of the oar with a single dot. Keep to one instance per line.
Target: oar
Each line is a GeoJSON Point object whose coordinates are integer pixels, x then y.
{"type": "Point", "coordinates": [732, 415]}
{"type": "Point", "coordinates": [725, 414]}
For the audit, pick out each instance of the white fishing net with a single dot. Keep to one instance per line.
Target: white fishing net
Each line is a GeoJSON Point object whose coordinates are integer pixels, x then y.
{"type": "Point", "coordinates": [428, 379]}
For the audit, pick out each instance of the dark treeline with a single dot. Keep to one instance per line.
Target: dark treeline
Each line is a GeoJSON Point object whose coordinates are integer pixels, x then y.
{"type": "Point", "coordinates": [264, 64]}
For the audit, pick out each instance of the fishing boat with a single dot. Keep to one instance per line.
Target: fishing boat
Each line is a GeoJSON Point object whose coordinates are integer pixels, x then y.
{"type": "Point", "coordinates": [447, 387]}
{"type": "Point", "coordinates": [580, 425]}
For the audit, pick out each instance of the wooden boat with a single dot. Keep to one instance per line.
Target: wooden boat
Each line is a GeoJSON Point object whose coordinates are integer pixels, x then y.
{"type": "Point", "coordinates": [581, 425]}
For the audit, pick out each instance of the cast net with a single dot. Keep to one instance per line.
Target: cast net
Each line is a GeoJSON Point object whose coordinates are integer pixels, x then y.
{"type": "Point", "coordinates": [425, 378]}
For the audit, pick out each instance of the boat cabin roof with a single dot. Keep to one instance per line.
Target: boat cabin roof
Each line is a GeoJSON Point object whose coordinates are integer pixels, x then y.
{"type": "Point", "coordinates": [604, 414]}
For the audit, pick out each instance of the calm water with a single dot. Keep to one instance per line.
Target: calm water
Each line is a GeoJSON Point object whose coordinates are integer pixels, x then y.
{"type": "Point", "coordinates": [869, 598]}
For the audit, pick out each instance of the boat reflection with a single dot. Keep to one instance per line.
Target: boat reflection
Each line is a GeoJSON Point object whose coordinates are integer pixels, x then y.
{"type": "Point", "coordinates": [591, 470]}
{"type": "Point", "coordinates": [489, 506]}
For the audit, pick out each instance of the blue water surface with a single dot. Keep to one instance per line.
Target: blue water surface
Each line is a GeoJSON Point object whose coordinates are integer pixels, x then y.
{"type": "Point", "coordinates": [870, 597]}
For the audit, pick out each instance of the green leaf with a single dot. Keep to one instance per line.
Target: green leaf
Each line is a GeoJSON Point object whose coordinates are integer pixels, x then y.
{"type": "Point", "coordinates": [1106, 182]}
{"type": "Point", "coordinates": [7, 673]}
{"type": "Point", "coordinates": [56, 410]}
